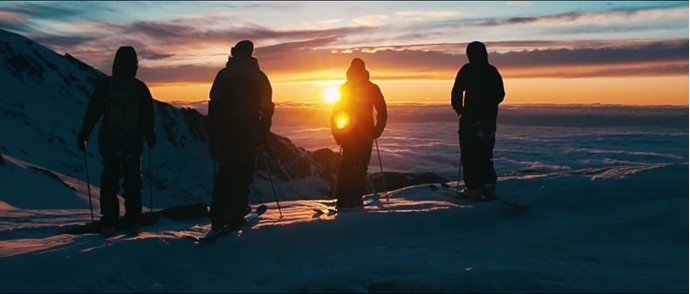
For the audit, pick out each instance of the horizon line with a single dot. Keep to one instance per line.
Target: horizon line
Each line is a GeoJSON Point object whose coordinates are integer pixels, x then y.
{"type": "Point", "coordinates": [395, 103]}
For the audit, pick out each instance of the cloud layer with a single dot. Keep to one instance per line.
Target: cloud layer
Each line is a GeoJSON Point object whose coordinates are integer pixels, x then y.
{"type": "Point", "coordinates": [190, 48]}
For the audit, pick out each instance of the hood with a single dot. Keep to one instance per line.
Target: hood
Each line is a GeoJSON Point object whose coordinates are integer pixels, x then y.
{"type": "Point", "coordinates": [476, 53]}
{"type": "Point", "coordinates": [242, 66]}
{"type": "Point", "coordinates": [125, 63]}
{"type": "Point", "coordinates": [357, 71]}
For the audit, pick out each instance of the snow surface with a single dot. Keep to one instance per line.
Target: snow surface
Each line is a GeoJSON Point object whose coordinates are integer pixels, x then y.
{"type": "Point", "coordinates": [618, 232]}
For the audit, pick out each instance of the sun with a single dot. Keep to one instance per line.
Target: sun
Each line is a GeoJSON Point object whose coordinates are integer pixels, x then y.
{"type": "Point", "coordinates": [331, 94]}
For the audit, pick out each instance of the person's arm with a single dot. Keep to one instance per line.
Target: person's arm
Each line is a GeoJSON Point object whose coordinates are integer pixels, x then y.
{"type": "Point", "coordinates": [149, 117]}
{"type": "Point", "coordinates": [335, 111]}
{"type": "Point", "coordinates": [456, 94]}
{"type": "Point", "coordinates": [93, 113]}
{"type": "Point", "coordinates": [267, 107]}
{"type": "Point", "coordinates": [381, 112]}
{"type": "Point", "coordinates": [216, 88]}
{"type": "Point", "coordinates": [211, 116]}
{"type": "Point", "coordinates": [501, 91]}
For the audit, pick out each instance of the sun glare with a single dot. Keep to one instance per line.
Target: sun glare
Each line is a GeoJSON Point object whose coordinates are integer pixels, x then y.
{"type": "Point", "coordinates": [331, 94]}
{"type": "Point", "coordinates": [342, 120]}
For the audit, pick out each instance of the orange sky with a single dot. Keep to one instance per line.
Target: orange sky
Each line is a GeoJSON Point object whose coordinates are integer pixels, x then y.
{"type": "Point", "coordinates": [635, 90]}
{"type": "Point", "coordinates": [609, 52]}
{"type": "Point", "coordinates": [573, 77]}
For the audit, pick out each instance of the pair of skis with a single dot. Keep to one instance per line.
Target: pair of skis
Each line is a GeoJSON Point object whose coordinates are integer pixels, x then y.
{"type": "Point", "coordinates": [459, 196]}
{"type": "Point", "coordinates": [97, 227]}
{"type": "Point", "coordinates": [249, 220]}
{"type": "Point", "coordinates": [330, 210]}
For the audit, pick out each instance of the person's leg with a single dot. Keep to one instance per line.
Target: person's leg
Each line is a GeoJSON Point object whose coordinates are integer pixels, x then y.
{"type": "Point", "coordinates": [110, 185]}
{"type": "Point", "coordinates": [469, 162]}
{"type": "Point", "coordinates": [344, 184]}
{"type": "Point", "coordinates": [470, 172]}
{"type": "Point", "coordinates": [221, 194]}
{"type": "Point", "coordinates": [363, 157]}
{"type": "Point", "coordinates": [488, 176]}
{"type": "Point", "coordinates": [131, 169]}
{"type": "Point", "coordinates": [492, 172]}
{"type": "Point", "coordinates": [241, 180]}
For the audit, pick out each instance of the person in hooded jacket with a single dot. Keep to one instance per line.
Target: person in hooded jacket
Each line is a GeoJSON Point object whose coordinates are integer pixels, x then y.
{"type": "Point", "coordinates": [126, 106]}
{"type": "Point", "coordinates": [475, 97]}
{"type": "Point", "coordinates": [354, 129]}
{"type": "Point", "coordinates": [239, 119]}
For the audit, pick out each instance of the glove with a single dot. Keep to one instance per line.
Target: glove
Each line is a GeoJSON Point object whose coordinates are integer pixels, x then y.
{"type": "Point", "coordinates": [81, 141]}
{"type": "Point", "coordinates": [151, 140]}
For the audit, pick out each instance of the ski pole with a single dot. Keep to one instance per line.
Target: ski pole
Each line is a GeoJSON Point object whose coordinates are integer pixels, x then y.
{"type": "Point", "coordinates": [270, 178]}
{"type": "Point", "coordinates": [150, 183]}
{"type": "Point", "coordinates": [383, 178]}
{"type": "Point", "coordinates": [88, 182]}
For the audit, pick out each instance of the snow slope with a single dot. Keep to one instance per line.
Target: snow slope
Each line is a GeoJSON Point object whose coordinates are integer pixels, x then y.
{"type": "Point", "coordinates": [611, 231]}
{"type": "Point", "coordinates": [43, 97]}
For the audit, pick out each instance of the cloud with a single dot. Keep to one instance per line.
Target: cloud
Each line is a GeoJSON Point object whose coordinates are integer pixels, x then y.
{"type": "Point", "coordinates": [11, 17]}
{"type": "Point", "coordinates": [45, 10]}
{"type": "Point", "coordinates": [13, 21]}
{"type": "Point", "coordinates": [160, 30]}
{"type": "Point", "coordinates": [153, 54]}
{"type": "Point", "coordinates": [651, 58]}
{"type": "Point", "coordinates": [63, 41]}
{"type": "Point", "coordinates": [661, 51]}
{"type": "Point", "coordinates": [294, 62]}
{"type": "Point", "coordinates": [330, 21]}
{"type": "Point", "coordinates": [594, 18]}
{"type": "Point", "coordinates": [165, 32]}
{"type": "Point", "coordinates": [289, 47]}
{"type": "Point", "coordinates": [375, 20]}
{"type": "Point", "coordinates": [515, 45]}
{"type": "Point", "coordinates": [180, 44]}
{"type": "Point", "coordinates": [429, 15]}
{"type": "Point", "coordinates": [183, 51]}
{"type": "Point", "coordinates": [517, 3]}
{"type": "Point", "coordinates": [179, 74]}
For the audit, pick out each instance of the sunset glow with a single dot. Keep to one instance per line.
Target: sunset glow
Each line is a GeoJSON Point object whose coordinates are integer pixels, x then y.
{"type": "Point", "coordinates": [331, 95]}
{"type": "Point", "coordinates": [342, 120]}
{"type": "Point", "coordinates": [547, 52]}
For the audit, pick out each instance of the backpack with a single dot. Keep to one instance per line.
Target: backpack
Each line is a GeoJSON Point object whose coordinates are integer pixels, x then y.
{"type": "Point", "coordinates": [122, 107]}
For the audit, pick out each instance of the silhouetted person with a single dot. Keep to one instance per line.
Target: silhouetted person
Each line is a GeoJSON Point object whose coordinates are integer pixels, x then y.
{"type": "Point", "coordinates": [239, 118]}
{"type": "Point", "coordinates": [126, 106]}
{"type": "Point", "coordinates": [353, 128]}
{"type": "Point", "coordinates": [477, 91]}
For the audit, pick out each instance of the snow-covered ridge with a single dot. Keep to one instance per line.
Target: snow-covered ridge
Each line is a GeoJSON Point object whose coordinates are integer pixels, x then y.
{"type": "Point", "coordinates": [43, 96]}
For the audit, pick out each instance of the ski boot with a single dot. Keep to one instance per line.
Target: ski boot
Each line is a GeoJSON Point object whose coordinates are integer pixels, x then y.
{"type": "Point", "coordinates": [489, 192]}
{"type": "Point", "coordinates": [472, 194]}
